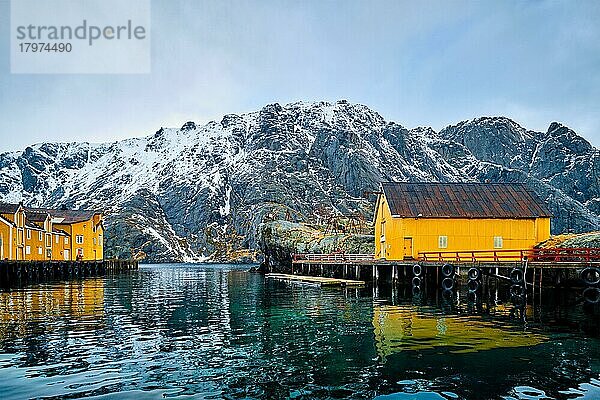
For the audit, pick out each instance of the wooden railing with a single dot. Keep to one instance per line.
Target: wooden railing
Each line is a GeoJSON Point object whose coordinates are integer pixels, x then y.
{"type": "Point", "coordinates": [566, 254]}
{"type": "Point", "coordinates": [332, 257]}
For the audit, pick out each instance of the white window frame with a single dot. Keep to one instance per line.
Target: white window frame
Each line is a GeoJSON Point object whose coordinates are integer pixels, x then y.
{"type": "Point", "coordinates": [57, 239]}
{"type": "Point", "coordinates": [79, 239]}
{"type": "Point", "coordinates": [28, 234]}
{"type": "Point", "coordinates": [40, 251]}
{"type": "Point", "coordinates": [498, 242]}
{"type": "Point", "coordinates": [41, 236]}
{"type": "Point", "coordinates": [28, 250]}
{"type": "Point", "coordinates": [66, 240]}
{"type": "Point", "coordinates": [443, 242]}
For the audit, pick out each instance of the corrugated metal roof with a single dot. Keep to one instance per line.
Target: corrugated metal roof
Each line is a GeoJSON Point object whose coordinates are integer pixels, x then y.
{"type": "Point", "coordinates": [463, 200]}
{"type": "Point", "coordinates": [69, 216]}
{"type": "Point", "coordinates": [6, 208]}
{"type": "Point", "coordinates": [36, 216]}
{"type": "Point", "coordinates": [39, 214]}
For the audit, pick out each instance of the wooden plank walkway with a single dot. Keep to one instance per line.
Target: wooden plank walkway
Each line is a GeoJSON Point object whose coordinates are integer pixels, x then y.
{"type": "Point", "coordinates": [317, 280]}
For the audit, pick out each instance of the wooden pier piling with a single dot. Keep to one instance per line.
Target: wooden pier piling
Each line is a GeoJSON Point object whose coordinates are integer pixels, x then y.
{"type": "Point", "coordinates": [17, 273]}
{"type": "Point", "coordinates": [562, 268]}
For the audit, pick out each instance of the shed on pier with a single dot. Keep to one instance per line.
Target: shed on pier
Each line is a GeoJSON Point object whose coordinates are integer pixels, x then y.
{"type": "Point", "coordinates": [418, 217]}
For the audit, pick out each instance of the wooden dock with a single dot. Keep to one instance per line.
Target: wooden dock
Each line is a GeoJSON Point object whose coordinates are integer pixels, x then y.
{"type": "Point", "coordinates": [559, 258]}
{"type": "Point", "coordinates": [317, 280]}
{"type": "Point", "coordinates": [18, 273]}
{"type": "Point", "coordinates": [448, 271]}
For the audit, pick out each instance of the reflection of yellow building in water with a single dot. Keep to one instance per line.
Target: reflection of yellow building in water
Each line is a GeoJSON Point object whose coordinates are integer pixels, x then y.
{"type": "Point", "coordinates": [82, 300]}
{"type": "Point", "coordinates": [402, 328]}
{"type": "Point", "coordinates": [42, 234]}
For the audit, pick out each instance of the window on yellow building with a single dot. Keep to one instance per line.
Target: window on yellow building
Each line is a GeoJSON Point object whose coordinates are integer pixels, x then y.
{"type": "Point", "coordinates": [66, 240]}
{"type": "Point", "coordinates": [40, 252]}
{"type": "Point", "coordinates": [41, 236]}
{"type": "Point", "coordinates": [94, 241]}
{"type": "Point", "coordinates": [49, 253]}
{"type": "Point", "coordinates": [79, 239]}
{"type": "Point", "coordinates": [48, 240]}
{"type": "Point", "coordinates": [383, 231]}
{"type": "Point", "coordinates": [28, 250]}
{"type": "Point", "coordinates": [498, 242]}
{"type": "Point", "coordinates": [28, 234]}
{"type": "Point", "coordinates": [57, 239]}
{"type": "Point", "coordinates": [443, 242]}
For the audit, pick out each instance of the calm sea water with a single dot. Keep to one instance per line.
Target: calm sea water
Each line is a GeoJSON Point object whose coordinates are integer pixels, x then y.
{"type": "Point", "coordinates": [216, 331]}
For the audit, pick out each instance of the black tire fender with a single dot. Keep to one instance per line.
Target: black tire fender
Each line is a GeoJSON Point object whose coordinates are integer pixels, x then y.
{"type": "Point", "coordinates": [417, 270]}
{"type": "Point", "coordinates": [448, 270]}
{"type": "Point", "coordinates": [474, 273]}
{"type": "Point", "coordinates": [447, 283]}
{"type": "Point", "coordinates": [517, 276]}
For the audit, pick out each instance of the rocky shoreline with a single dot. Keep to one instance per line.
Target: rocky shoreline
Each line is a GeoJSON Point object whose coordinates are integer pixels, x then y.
{"type": "Point", "coordinates": [278, 240]}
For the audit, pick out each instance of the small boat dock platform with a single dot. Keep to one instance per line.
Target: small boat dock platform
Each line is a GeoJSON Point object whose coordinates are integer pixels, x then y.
{"type": "Point", "coordinates": [317, 280]}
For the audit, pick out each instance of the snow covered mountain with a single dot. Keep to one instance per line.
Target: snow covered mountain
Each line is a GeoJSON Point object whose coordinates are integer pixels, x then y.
{"type": "Point", "coordinates": [200, 192]}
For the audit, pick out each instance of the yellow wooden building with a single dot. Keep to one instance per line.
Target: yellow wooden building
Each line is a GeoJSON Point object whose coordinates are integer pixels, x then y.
{"type": "Point", "coordinates": [421, 217]}
{"type": "Point", "coordinates": [12, 232]}
{"type": "Point", "coordinates": [48, 234]}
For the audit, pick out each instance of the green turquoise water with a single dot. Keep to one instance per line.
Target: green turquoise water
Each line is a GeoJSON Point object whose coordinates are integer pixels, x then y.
{"type": "Point", "coordinates": [216, 331]}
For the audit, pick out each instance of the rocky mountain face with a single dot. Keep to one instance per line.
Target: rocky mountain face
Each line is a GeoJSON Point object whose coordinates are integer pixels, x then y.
{"type": "Point", "coordinates": [280, 239]}
{"type": "Point", "coordinates": [200, 192]}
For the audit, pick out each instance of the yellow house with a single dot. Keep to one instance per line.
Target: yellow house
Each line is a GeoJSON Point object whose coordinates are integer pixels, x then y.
{"type": "Point", "coordinates": [61, 245]}
{"type": "Point", "coordinates": [35, 242]}
{"type": "Point", "coordinates": [419, 217]}
{"type": "Point", "coordinates": [6, 238]}
{"type": "Point", "coordinates": [38, 235]}
{"type": "Point", "coordinates": [84, 233]}
{"type": "Point", "coordinates": [12, 231]}
{"type": "Point", "coordinates": [47, 234]}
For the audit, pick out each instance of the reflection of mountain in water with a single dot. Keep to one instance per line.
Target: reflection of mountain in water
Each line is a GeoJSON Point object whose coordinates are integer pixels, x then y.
{"type": "Point", "coordinates": [299, 339]}
{"type": "Point", "coordinates": [399, 328]}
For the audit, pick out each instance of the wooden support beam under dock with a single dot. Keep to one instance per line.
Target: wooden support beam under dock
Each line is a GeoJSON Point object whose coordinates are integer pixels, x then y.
{"type": "Point", "coordinates": [568, 267]}
{"type": "Point", "coordinates": [317, 280]}
{"type": "Point", "coordinates": [17, 273]}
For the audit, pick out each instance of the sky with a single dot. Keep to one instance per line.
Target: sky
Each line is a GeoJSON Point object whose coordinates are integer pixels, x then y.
{"type": "Point", "coordinates": [419, 63]}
